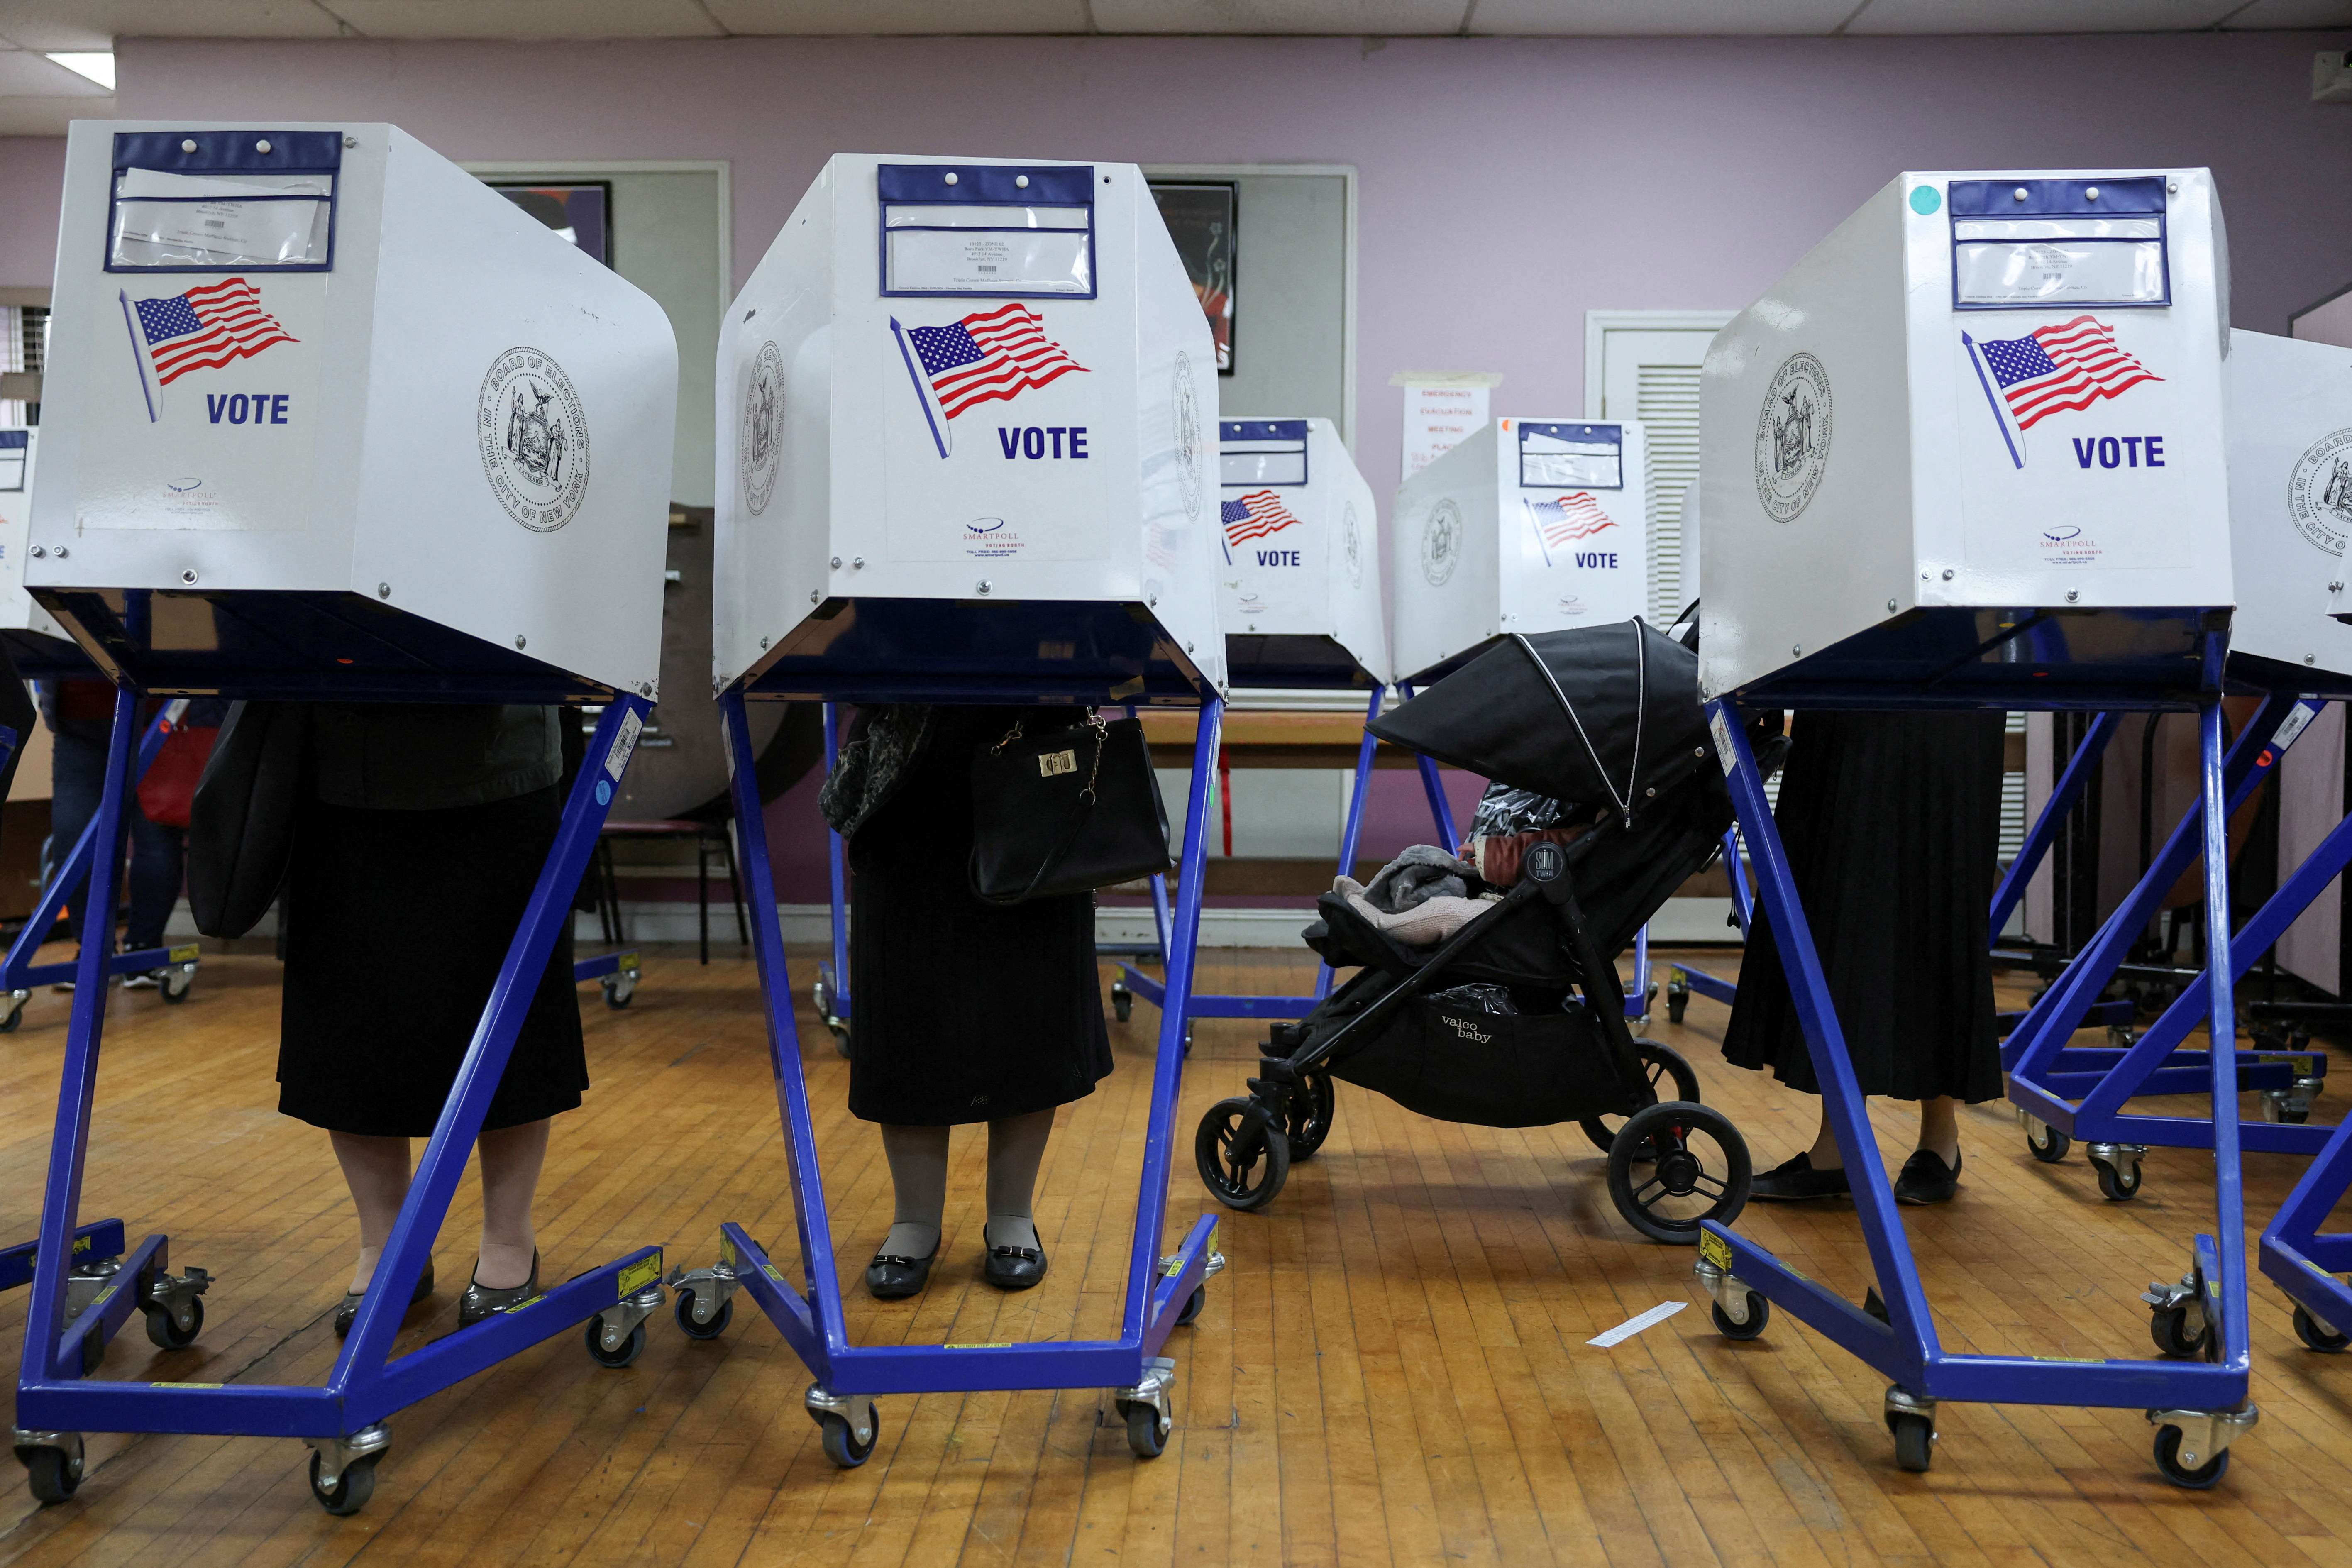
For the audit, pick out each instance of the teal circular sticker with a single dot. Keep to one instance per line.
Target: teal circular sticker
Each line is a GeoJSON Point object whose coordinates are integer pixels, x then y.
{"type": "Point", "coordinates": [1925, 200]}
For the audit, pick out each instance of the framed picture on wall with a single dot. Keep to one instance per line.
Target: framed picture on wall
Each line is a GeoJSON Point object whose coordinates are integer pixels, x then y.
{"type": "Point", "coordinates": [1200, 217]}
{"type": "Point", "coordinates": [580, 213]}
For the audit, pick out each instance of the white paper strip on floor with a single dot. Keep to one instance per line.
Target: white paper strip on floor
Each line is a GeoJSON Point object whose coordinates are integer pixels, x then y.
{"type": "Point", "coordinates": [1631, 1326]}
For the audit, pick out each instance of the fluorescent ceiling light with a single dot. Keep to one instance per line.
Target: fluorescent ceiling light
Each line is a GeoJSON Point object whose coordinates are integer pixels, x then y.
{"type": "Point", "coordinates": [97, 68]}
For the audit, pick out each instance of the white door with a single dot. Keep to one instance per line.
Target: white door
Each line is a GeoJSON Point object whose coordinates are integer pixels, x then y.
{"type": "Point", "coordinates": [1644, 364]}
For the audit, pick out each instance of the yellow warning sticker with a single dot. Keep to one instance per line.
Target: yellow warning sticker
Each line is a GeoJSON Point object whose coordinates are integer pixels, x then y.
{"type": "Point", "coordinates": [2072, 1359]}
{"type": "Point", "coordinates": [773, 1272]}
{"type": "Point", "coordinates": [1714, 1250]}
{"type": "Point", "coordinates": [188, 952]}
{"type": "Point", "coordinates": [81, 1243]}
{"type": "Point", "coordinates": [983, 1346]}
{"type": "Point", "coordinates": [727, 1250]}
{"type": "Point", "coordinates": [192, 1385]}
{"type": "Point", "coordinates": [640, 1274]}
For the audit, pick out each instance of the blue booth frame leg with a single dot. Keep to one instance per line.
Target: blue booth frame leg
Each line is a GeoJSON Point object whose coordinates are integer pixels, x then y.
{"type": "Point", "coordinates": [831, 991]}
{"type": "Point", "coordinates": [2198, 1407]}
{"type": "Point", "coordinates": [1162, 1290]}
{"type": "Point", "coordinates": [343, 1421]}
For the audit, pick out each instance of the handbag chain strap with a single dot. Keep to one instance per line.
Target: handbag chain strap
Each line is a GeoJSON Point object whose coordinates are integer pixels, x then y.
{"type": "Point", "coordinates": [1096, 722]}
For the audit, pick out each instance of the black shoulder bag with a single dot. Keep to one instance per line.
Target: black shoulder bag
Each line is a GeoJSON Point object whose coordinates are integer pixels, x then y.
{"type": "Point", "coordinates": [241, 822]}
{"type": "Point", "coordinates": [1066, 812]}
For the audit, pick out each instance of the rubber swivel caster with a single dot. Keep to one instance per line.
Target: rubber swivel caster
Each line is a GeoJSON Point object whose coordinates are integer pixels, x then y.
{"type": "Point", "coordinates": [53, 1464]}
{"type": "Point", "coordinates": [2316, 1334]}
{"type": "Point", "coordinates": [1192, 1305]}
{"type": "Point", "coordinates": [632, 1345]}
{"type": "Point", "coordinates": [696, 1329]}
{"type": "Point", "coordinates": [349, 1492]}
{"type": "Point", "coordinates": [1912, 1420]}
{"type": "Point", "coordinates": [1146, 1410]}
{"type": "Point", "coordinates": [1759, 1312]}
{"type": "Point", "coordinates": [2045, 1143]}
{"type": "Point", "coordinates": [1122, 1002]}
{"type": "Point", "coordinates": [170, 1331]}
{"type": "Point", "coordinates": [2198, 1477]}
{"type": "Point", "coordinates": [848, 1426]}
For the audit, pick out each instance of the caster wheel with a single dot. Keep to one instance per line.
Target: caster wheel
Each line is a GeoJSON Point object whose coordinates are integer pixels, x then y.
{"type": "Point", "coordinates": [2167, 1460]}
{"type": "Point", "coordinates": [1123, 1002]}
{"type": "Point", "coordinates": [1665, 1068]}
{"type": "Point", "coordinates": [1243, 1159]}
{"type": "Point", "coordinates": [1311, 1110]}
{"type": "Point", "coordinates": [1915, 1442]}
{"type": "Point", "coordinates": [1674, 1165]}
{"type": "Point", "coordinates": [14, 1016]}
{"type": "Point", "coordinates": [174, 984]}
{"type": "Point", "coordinates": [53, 1474]}
{"type": "Point", "coordinates": [1147, 1435]}
{"type": "Point", "coordinates": [2168, 1327]}
{"type": "Point", "coordinates": [351, 1489]}
{"type": "Point", "coordinates": [631, 1348]}
{"type": "Point", "coordinates": [821, 997]}
{"type": "Point", "coordinates": [2045, 1143]}
{"type": "Point", "coordinates": [618, 997]}
{"type": "Point", "coordinates": [2115, 1185]}
{"type": "Point", "coordinates": [1200, 1298]}
{"type": "Point", "coordinates": [699, 1331]}
{"type": "Point", "coordinates": [2308, 1329]}
{"type": "Point", "coordinates": [165, 1332]}
{"type": "Point", "coordinates": [840, 1039]}
{"type": "Point", "coordinates": [841, 1445]}
{"type": "Point", "coordinates": [1677, 1002]}
{"type": "Point", "coordinates": [1759, 1314]}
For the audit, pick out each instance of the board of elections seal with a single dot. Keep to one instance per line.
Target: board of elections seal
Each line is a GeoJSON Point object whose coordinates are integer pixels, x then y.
{"type": "Point", "coordinates": [760, 440]}
{"type": "Point", "coordinates": [2320, 493]}
{"type": "Point", "coordinates": [534, 439]}
{"type": "Point", "coordinates": [1792, 437]}
{"type": "Point", "coordinates": [1351, 545]}
{"type": "Point", "coordinates": [1188, 433]}
{"type": "Point", "coordinates": [1440, 542]}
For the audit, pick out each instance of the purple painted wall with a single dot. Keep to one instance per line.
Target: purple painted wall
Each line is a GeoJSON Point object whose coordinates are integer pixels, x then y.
{"type": "Point", "coordinates": [1506, 187]}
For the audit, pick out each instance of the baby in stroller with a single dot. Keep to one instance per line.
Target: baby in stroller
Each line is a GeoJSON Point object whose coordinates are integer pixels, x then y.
{"type": "Point", "coordinates": [1486, 990]}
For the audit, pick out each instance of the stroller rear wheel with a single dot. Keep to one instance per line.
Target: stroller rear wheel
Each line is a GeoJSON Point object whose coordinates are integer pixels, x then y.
{"type": "Point", "coordinates": [1243, 1156]}
{"type": "Point", "coordinates": [1659, 1062]}
{"type": "Point", "coordinates": [1312, 1106]}
{"type": "Point", "coordinates": [1675, 1165]}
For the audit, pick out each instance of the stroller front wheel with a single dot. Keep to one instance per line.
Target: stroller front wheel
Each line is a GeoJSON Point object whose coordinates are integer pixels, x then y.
{"type": "Point", "coordinates": [1243, 1157]}
{"type": "Point", "coordinates": [1675, 1165]}
{"type": "Point", "coordinates": [1312, 1106]}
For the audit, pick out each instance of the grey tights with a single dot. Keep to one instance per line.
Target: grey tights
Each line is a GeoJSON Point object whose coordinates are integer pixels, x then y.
{"type": "Point", "coordinates": [919, 1174]}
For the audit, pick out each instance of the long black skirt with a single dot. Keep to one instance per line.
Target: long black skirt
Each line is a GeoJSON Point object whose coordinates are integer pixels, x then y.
{"type": "Point", "coordinates": [1892, 823]}
{"type": "Point", "coordinates": [965, 1011]}
{"type": "Point", "coordinates": [396, 924]}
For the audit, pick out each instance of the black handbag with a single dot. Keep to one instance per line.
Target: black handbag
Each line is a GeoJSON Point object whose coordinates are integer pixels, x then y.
{"type": "Point", "coordinates": [1066, 812]}
{"type": "Point", "coordinates": [241, 821]}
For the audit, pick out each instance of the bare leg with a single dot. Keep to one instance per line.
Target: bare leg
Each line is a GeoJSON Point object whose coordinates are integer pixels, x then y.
{"type": "Point", "coordinates": [918, 1181]}
{"type": "Point", "coordinates": [376, 1171]}
{"type": "Point", "coordinates": [1016, 1147]}
{"type": "Point", "coordinates": [1824, 1153]}
{"type": "Point", "coordinates": [511, 1158]}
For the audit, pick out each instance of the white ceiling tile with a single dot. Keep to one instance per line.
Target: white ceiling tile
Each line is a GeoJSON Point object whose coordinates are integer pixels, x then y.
{"type": "Point", "coordinates": [2293, 14]}
{"type": "Point", "coordinates": [1932, 17]}
{"type": "Point", "coordinates": [526, 18]}
{"type": "Point", "coordinates": [816, 18]}
{"type": "Point", "coordinates": [1376, 19]}
{"type": "Point", "coordinates": [1619, 18]}
{"type": "Point", "coordinates": [24, 74]}
{"type": "Point", "coordinates": [96, 24]}
{"type": "Point", "coordinates": [49, 116]}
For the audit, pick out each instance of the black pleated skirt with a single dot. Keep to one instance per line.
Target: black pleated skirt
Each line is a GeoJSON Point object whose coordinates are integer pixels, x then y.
{"type": "Point", "coordinates": [396, 924]}
{"type": "Point", "coordinates": [964, 1011]}
{"type": "Point", "coordinates": [1892, 823]}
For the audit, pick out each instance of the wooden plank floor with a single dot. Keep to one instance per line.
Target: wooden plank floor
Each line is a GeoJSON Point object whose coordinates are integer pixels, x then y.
{"type": "Point", "coordinates": [1394, 1370]}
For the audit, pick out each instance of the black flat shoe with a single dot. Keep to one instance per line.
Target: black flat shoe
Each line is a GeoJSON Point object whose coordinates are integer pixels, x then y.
{"type": "Point", "coordinates": [891, 1277]}
{"type": "Point", "coordinates": [1014, 1268]}
{"type": "Point", "coordinates": [346, 1314]}
{"type": "Point", "coordinates": [482, 1300]}
{"type": "Point", "coordinates": [1795, 1179]}
{"type": "Point", "coordinates": [1926, 1179]}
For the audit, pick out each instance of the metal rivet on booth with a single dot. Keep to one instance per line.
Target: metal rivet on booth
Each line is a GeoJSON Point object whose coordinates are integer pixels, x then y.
{"type": "Point", "coordinates": [351, 140]}
{"type": "Point", "coordinates": [189, 576]}
{"type": "Point", "coordinates": [1188, 648]}
{"type": "Point", "coordinates": [812, 595]}
{"type": "Point", "coordinates": [1948, 574]}
{"type": "Point", "coordinates": [1890, 606]}
{"type": "Point", "coordinates": [763, 642]}
{"type": "Point", "coordinates": [40, 551]}
{"type": "Point", "coordinates": [189, 145]}
{"type": "Point", "coordinates": [521, 641]}
{"type": "Point", "coordinates": [2310, 658]}
{"type": "Point", "coordinates": [2172, 187]}
{"type": "Point", "coordinates": [62, 552]}
{"type": "Point", "coordinates": [384, 590]}
{"type": "Point", "coordinates": [985, 584]}
{"type": "Point", "coordinates": [952, 179]}
{"type": "Point", "coordinates": [262, 145]}
{"type": "Point", "coordinates": [2072, 594]}
{"type": "Point", "coordinates": [2021, 193]}
{"type": "Point", "coordinates": [858, 563]}
{"type": "Point", "coordinates": [2091, 193]}
{"type": "Point", "coordinates": [1021, 182]}
{"type": "Point", "coordinates": [836, 563]}
{"type": "Point", "coordinates": [1796, 647]}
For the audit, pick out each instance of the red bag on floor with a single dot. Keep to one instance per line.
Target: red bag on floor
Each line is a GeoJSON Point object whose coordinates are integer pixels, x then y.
{"type": "Point", "coordinates": [170, 786]}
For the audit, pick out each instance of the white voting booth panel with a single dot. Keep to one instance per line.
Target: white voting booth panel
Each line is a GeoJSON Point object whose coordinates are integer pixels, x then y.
{"type": "Point", "coordinates": [969, 433]}
{"type": "Point", "coordinates": [32, 637]}
{"type": "Point", "coordinates": [1529, 525]}
{"type": "Point", "coordinates": [2289, 410]}
{"type": "Point", "coordinates": [1300, 588]}
{"type": "Point", "coordinates": [321, 377]}
{"type": "Point", "coordinates": [1992, 397]}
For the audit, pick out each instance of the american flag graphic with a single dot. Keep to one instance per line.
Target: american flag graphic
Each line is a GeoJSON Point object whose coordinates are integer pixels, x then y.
{"type": "Point", "coordinates": [2062, 367]}
{"type": "Point", "coordinates": [1577, 516]}
{"type": "Point", "coordinates": [206, 328]}
{"type": "Point", "coordinates": [1254, 516]}
{"type": "Point", "coordinates": [998, 353]}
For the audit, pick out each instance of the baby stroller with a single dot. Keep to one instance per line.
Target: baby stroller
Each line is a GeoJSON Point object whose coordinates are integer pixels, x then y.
{"type": "Point", "coordinates": [1607, 718]}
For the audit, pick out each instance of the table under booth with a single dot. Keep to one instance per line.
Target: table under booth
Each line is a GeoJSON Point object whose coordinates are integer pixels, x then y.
{"type": "Point", "coordinates": [966, 458]}
{"type": "Point", "coordinates": [328, 420]}
{"type": "Point", "coordinates": [1890, 525]}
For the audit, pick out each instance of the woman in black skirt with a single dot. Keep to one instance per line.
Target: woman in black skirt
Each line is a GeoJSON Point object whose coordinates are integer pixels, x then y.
{"type": "Point", "coordinates": [423, 831]}
{"type": "Point", "coordinates": [967, 1011]}
{"type": "Point", "coordinates": [1892, 825]}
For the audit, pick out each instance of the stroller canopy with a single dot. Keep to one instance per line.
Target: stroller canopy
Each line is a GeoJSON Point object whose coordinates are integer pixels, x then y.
{"type": "Point", "coordinates": [1590, 716]}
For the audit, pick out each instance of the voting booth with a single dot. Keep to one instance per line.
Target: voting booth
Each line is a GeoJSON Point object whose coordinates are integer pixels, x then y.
{"type": "Point", "coordinates": [325, 418]}
{"type": "Point", "coordinates": [1982, 398]}
{"type": "Point", "coordinates": [966, 415]}
{"type": "Point", "coordinates": [1529, 525]}
{"type": "Point", "coordinates": [1969, 453]}
{"type": "Point", "coordinates": [33, 639]}
{"type": "Point", "coordinates": [1299, 578]}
